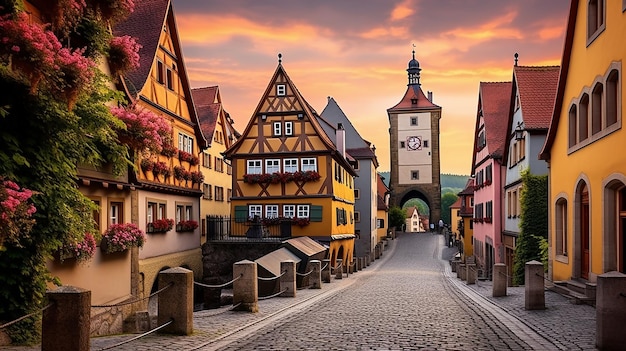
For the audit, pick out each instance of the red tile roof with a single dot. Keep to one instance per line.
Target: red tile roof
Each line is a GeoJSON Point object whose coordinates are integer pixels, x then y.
{"type": "Point", "coordinates": [469, 188]}
{"type": "Point", "coordinates": [495, 101]}
{"type": "Point", "coordinates": [412, 92]}
{"type": "Point", "coordinates": [457, 203]}
{"type": "Point", "coordinates": [208, 109]}
{"type": "Point", "coordinates": [537, 89]}
{"type": "Point", "coordinates": [145, 23]}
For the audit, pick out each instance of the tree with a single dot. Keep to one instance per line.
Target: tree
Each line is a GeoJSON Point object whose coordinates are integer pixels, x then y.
{"type": "Point", "coordinates": [422, 208]}
{"type": "Point", "coordinates": [532, 240]}
{"type": "Point", "coordinates": [447, 200]}
{"type": "Point", "coordinates": [397, 217]}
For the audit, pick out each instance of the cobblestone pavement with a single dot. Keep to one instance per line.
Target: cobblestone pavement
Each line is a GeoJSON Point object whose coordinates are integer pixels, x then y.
{"type": "Point", "coordinates": [407, 300]}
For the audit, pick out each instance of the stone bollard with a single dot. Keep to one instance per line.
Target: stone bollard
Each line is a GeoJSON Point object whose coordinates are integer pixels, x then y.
{"type": "Point", "coordinates": [65, 324]}
{"type": "Point", "coordinates": [377, 251]}
{"type": "Point", "coordinates": [288, 279]}
{"type": "Point", "coordinates": [534, 297]}
{"type": "Point", "coordinates": [611, 311]}
{"type": "Point", "coordinates": [246, 288]}
{"type": "Point", "coordinates": [176, 302]}
{"type": "Point", "coordinates": [368, 259]}
{"type": "Point", "coordinates": [462, 271]}
{"type": "Point", "coordinates": [316, 274]}
{"type": "Point", "coordinates": [454, 264]}
{"type": "Point", "coordinates": [346, 267]}
{"type": "Point", "coordinates": [338, 269]}
{"type": "Point", "coordinates": [359, 266]}
{"type": "Point", "coordinates": [499, 280]}
{"type": "Point", "coordinates": [471, 273]}
{"type": "Point", "coordinates": [326, 272]}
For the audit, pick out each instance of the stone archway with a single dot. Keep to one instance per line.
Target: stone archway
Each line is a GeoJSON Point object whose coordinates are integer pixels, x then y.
{"type": "Point", "coordinates": [433, 201]}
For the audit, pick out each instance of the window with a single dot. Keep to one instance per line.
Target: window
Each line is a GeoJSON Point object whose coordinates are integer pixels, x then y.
{"type": "Point", "coordinates": [288, 128]}
{"type": "Point", "coordinates": [272, 166]}
{"type": "Point", "coordinates": [289, 211]}
{"type": "Point", "coordinates": [271, 211]}
{"type": "Point", "coordinates": [303, 211]}
{"type": "Point", "coordinates": [357, 194]}
{"type": "Point", "coordinates": [277, 129]}
{"type": "Point", "coordinates": [206, 160]}
{"type": "Point", "coordinates": [206, 191]}
{"type": "Point", "coordinates": [357, 216]}
{"type": "Point", "coordinates": [219, 164]}
{"type": "Point", "coordinates": [612, 97]}
{"type": "Point", "coordinates": [168, 76]}
{"type": "Point", "coordinates": [309, 164]}
{"type": "Point", "coordinates": [160, 72]}
{"type": "Point", "coordinates": [116, 212]}
{"type": "Point", "coordinates": [583, 118]}
{"type": "Point", "coordinates": [155, 210]}
{"type": "Point", "coordinates": [219, 193]}
{"type": "Point", "coordinates": [254, 167]}
{"type": "Point", "coordinates": [488, 174]}
{"type": "Point", "coordinates": [255, 211]}
{"type": "Point", "coordinates": [229, 169]}
{"type": "Point", "coordinates": [560, 215]}
{"type": "Point", "coordinates": [415, 175]}
{"type": "Point", "coordinates": [185, 143]}
{"type": "Point", "coordinates": [281, 89]}
{"type": "Point", "coordinates": [380, 223]}
{"type": "Point", "coordinates": [572, 126]}
{"type": "Point", "coordinates": [595, 19]}
{"type": "Point", "coordinates": [425, 143]}
{"type": "Point", "coordinates": [229, 194]}
{"type": "Point", "coordinates": [596, 108]}
{"type": "Point", "coordinates": [413, 121]}
{"type": "Point", "coordinates": [489, 209]}
{"type": "Point", "coordinates": [290, 165]}
{"type": "Point", "coordinates": [402, 143]}
{"type": "Point", "coordinates": [184, 212]}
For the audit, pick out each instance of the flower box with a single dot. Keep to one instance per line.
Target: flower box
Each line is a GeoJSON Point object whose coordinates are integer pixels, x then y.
{"type": "Point", "coordinates": [301, 221]}
{"type": "Point", "coordinates": [277, 177]}
{"type": "Point", "coordinates": [160, 226]}
{"type": "Point", "coordinates": [186, 226]}
{"type": "Point", "coordinates": [121, 237]}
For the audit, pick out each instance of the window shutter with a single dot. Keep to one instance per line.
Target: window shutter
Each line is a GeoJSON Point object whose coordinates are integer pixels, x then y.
{"type": "Point", "coordinates": [315, 214]}
{"type": "Point", "coordinates": [241, 213]}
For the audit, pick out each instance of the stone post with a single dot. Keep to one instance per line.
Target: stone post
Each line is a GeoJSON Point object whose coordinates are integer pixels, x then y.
{"type": "Point", "coordinates": [346, 267]}
{"type": "Point", "coordinates": [359, 266]}
{"type": "Point", "coordinates": [316, 274]}
{"type": "Point", "coordinates": [377, 251]}
{"type": "Point", "coordinates": [326, 273]}
{"type": "Point", "coordinates": [499, 280]}
{"type": "Point", "coordinates": [176, 302]}
{"type": "Point", "coordinates": [461, 272]}
{"type": "Point", "coordinates": [338, 269]}
{"type": "Point", "coordinates": [246, 288]}
{"type": "Point", "coordinates": [65, 324]}
{"type": "Point", "coordinates": [288, 279]}
{"type": "Point", "coordinates": [368, 259]}
{"type": "Point", "coordinates": [534, 297]}
{"type": "Point", "coordinates": [611, 311]}
{"type": "Point", "coordinates": [471, 273]}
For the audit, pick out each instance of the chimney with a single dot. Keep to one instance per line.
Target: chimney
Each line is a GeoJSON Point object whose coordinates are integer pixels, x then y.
{"type": "Point", "coordinates": [341, 139]}
{"type": "Point", "coordinates": [430, 96]}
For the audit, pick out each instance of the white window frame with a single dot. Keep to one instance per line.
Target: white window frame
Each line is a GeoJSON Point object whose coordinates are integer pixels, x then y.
{"type": "Point", "coordinates": [277, 128]}
{"type": "Point", "coordinates": [290, 165]}
{"type": "Point", "coordinates": [281, 89]}
{"type": "Point", "coordinates": [272, 165]}
{"type": "Point", "coordinates": [255, 210]}
{"type": "Point", "coordinates": [185, 142]}
{"type": "Point", "coordinates": [289, 128]}
{"type": "Point", "coordinates": [271, 211]}
{"type": "Point", "coordinates": [303, 211]}
{"type": "Point", "coordinates": [308, 164]}
{"type": "Point", "coordinates": [254, 167]}
{"type": "Point", "coordinates": [115, 209]}
{"type": "Point", "coordinates": [289, 211]}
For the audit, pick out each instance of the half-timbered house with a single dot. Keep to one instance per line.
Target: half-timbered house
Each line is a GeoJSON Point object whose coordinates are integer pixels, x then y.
{"type": "Point", "coordinates": [288, 172]}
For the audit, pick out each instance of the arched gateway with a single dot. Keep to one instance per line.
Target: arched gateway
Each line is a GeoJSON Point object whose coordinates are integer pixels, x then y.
{"type": "Point", "coordinates": [414, 138]}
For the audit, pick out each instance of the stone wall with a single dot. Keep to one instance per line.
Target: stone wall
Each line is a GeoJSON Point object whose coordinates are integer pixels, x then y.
{"type": "Point", "coordinates": [218, 257]}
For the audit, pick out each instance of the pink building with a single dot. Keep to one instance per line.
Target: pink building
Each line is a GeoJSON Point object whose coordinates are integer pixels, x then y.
{"type": "Point", "coordinates": [488, 170]}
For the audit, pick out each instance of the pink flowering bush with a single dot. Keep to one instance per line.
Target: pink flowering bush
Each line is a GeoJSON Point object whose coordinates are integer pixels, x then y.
{"type": "Point", "coordinates": [66, 14]}
{"type": "Point", "coordinates": [114, 9]}
{"type": "Point", "coordinates": [81, 251]}
{"type": "Point", "coordinates": [123, 54]}
{"type": "Point", "coordinates": [197, 177]}
{"type": "Point", "coordinates": [145, 130]}
{"type": "Point", "coordinates": [75, 73]}
{"type": "Point", "coordinates": [15, 212]}
{"type": "Point", "coordinates": [121, 237]}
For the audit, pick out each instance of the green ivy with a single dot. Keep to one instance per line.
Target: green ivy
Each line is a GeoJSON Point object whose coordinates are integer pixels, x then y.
{"type": "Point", "coordinates": [532, 241]}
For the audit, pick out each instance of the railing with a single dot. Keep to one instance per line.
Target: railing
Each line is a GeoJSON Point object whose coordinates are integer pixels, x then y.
{"type": "Point", "coordinates": [224, 228]}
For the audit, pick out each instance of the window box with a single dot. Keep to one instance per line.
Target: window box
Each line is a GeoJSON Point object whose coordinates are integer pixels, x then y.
{"type": "Point", "coordinates": [302, 222]}
{"type": "Point", "coordinates": [186, 226]}
{"type": "Point", "coordinates": [487, 219]}
{"type": "Point", "coordinates": [160, 226]}
{"type": "Point", "coordinates": [121, 237]}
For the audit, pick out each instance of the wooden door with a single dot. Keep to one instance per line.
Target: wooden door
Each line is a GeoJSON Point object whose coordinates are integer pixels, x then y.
{"type": "Point", "coordinates": [621, 231]}
{"type": "Point", "coordinates": [584, 234]}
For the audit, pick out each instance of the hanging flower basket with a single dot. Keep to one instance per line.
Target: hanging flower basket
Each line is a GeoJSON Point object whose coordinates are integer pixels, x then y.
{"type": "Point", "coordinates": [197, 177]}
{"type": "Point", "coordinates": [147, 165]}
{"type": "Point", "coordinates": [169, 150]}
{"type": "Point", "coordinates": [186, 226]}
{"type": "Point", "coordinates": [121, 237]}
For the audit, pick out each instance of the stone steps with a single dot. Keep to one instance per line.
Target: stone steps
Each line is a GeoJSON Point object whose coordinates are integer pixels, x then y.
{"type": "Point", "coordinates": [578, 292]}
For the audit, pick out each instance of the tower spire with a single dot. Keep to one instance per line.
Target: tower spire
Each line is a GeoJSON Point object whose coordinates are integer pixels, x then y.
{"type": "Point", "coordinates": [414, 70]}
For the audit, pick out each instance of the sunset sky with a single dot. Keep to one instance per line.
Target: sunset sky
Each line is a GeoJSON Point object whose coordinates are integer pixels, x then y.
{"type": "Point", "coordinates": [357, 52]}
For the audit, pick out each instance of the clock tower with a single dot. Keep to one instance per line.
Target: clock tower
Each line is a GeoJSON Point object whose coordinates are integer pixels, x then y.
{"type": "Point", "coordinates": [414, 138]}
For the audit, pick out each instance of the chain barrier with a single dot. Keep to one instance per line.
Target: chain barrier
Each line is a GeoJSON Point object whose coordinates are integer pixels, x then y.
{"type": "Point", "coordinates": [323, 268]}
{"type": "Point", "coordinates": [138, 336]}
{"type": "Point", "coordinates": [136, 300]}
{"type": "Point", "coordinates": [272, 278]}
{"type": "Point", "coordinates": [336, 268]}
{"type": "Point", "coordinates": [219, 286]}
{"type": "Point", "coordinates": [544, 278]}
{"type": "Point", "coordinates": [304, 274]}
{"type": "Point", "coordinates": [270, 296]}
{"type": "Point", "coordinates": [26, 316]}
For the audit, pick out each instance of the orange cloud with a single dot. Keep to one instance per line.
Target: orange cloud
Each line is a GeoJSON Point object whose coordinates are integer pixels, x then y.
{"type": "Point", "coordinates": [402, 10]}
{"type": "Point", "coordinates": [494, 29]}
{"type": "Point", "coordinates": [380, 32]}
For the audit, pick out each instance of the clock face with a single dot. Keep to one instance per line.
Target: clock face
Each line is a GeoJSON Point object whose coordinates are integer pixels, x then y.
{"type": "Point", "coordinates": [414, 143]}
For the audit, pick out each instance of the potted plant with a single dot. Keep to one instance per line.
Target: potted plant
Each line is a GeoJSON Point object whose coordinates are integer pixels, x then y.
{"type": "Point", "coordinates": [186, 226]}
{"type": "Point", "coordinates": [147, 165]}
{"type": "Point", "coordinates": [81, 251]}
{"type": "Point", "coordinates": [121, 237]}
{"type": "Point", "coordinates": [160, 225]}
{"type": "Point", "coordinates": [197, 177]}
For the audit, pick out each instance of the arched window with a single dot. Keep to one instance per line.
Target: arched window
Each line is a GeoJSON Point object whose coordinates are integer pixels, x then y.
{"type": "Point", "coordinates": [572, 126]}
{"type": "Point", "coordinates": [612, 84]}
{"type": "Point", "coordinates": [583, 118]}
{"type": "Point", "coordinates": [596, 108]}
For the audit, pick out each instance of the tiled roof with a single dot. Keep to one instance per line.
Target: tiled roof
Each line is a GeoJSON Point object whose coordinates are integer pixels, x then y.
{"type": "Point", "coordinates": [208, 110]}
{"type": "Point", "coordinates": [413, 91]}
{"type": "Point", "coordinates": [362, 152]}
{"type": "Point", "coordinates": [381, 187]}
{"type": "Point", "coordinates": [469, 188]}
{"type": "Point", "coordinates": [380, 203]}
{"type": "Point", "coordinates": [537, 89]}
{"type": "Point", "coordinates": [410, 210]}
{"type": "Point", "coordinates": [145, 23]}
{"type": "Point", "coordinates": [495, 101]}
{"type": "Point", "coordinates": [205, 95]}
{"type": "Point", "coordinates": [457, 203]}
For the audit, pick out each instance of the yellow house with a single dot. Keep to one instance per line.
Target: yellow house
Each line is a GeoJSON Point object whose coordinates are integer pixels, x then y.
{"type": "Point", "coordinates": [587, 177]}
{"type": "Point", "coordinates": [217, 127]}
{"type": "Point", "coordinates": [466, 228]}
{"type": "Point", "coordinates": [167, 184]}
{"type": "Point", "coordinates": [455, 218]}
{"type": "Point", "coordinates": [287, 169]}
{"type": "Point", "coordinates": [382, 209]}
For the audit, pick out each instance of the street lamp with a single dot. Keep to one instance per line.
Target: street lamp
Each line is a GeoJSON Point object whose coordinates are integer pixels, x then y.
{"type": "Point", "coordinates": [519, 131]}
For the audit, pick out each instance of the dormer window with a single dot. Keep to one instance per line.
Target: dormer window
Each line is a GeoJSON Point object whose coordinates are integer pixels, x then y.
{"type": "Point", "coordinates": [281, 90]}
{"type": "Point", "coordinates": [413, 101]}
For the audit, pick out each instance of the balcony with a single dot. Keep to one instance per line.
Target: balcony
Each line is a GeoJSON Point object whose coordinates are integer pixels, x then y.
{"type": "Point", "coordinates": [224, 228]}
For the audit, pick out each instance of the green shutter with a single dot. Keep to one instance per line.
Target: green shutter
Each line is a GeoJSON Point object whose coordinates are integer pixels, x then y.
{"type": "Point", "coordinates": [315, 213]}
{"type": "Point", "coordinates": [241, 213]}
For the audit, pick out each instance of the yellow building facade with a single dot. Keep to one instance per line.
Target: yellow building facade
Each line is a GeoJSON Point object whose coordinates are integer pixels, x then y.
{"type": "Point", "coordinates": [286, 168]}
{"type": "Point", "coordinates": [587, 193]}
